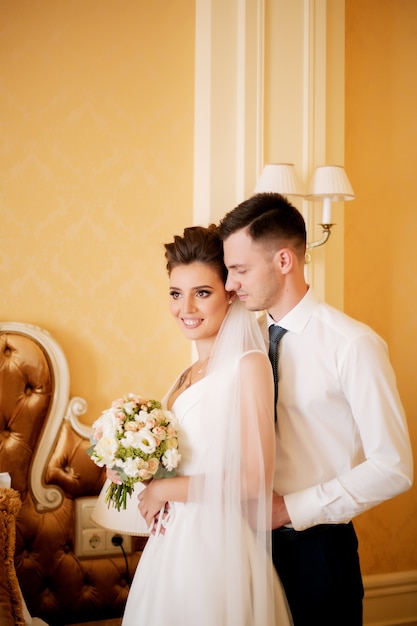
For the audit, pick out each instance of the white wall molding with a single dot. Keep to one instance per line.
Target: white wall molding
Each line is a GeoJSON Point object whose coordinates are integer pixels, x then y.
{"type": "Point", "coordinates": [228, 118]}
{"type": "Point", "coordinates": [391, 599]}
{"type": "Point", "coordinates": [264, 70]}
{"type": "Point", "coordinates": [305, 70]}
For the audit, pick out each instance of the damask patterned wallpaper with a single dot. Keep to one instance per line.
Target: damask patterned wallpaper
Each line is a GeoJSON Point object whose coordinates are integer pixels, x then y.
{"type": "Point", "coordinates": [96, 158]}
{"type": "Point", "coordinates": [96, 172]}
{"type": "Point", "coordinates": [380, 231]}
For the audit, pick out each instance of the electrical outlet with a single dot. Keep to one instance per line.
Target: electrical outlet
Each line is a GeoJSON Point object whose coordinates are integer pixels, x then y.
{"type": "Point", "coordinates": [92, 540]}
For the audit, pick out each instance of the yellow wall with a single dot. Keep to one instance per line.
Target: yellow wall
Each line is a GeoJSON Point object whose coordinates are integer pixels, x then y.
{"type": "Point", "coordinates": [96, 169]}
{"type": "Point", "coordinates": [96, 165]}
{"type": "Point", "coordinates": [381, 229]}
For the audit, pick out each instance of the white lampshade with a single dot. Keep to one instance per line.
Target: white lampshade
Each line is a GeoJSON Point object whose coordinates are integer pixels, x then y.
{"type": "Point", "coordinates": [279, 178]}
{"type": "Point", "coordinates": [330, 181]}
{"type": "Point", "coordinates": [127, 521]}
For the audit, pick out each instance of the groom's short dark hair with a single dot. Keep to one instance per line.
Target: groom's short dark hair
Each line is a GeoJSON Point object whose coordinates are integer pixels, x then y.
{"type": "Point", "coordinates": [267, 217]}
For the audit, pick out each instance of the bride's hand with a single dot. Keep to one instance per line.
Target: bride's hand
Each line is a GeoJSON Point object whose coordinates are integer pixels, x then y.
{"type": "Point", "coordinates": [150, 502]}
{"type": "Point", "coordinates": [164, 515]}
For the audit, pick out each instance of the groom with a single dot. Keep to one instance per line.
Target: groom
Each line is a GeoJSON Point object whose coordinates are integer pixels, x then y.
{"type": "Point", "coordinates": [342, 444]}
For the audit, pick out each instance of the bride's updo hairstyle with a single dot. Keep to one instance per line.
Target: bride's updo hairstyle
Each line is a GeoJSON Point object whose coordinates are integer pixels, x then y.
{"type": "Point", "coordinates": [198, 244]}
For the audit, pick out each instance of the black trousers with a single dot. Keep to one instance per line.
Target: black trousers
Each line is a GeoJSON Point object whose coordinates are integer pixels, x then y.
{"type": "Point", "coordinates": [320, 572]}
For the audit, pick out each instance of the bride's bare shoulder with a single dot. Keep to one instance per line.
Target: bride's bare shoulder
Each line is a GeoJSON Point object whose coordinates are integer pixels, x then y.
{"type": "Point", "coordinates": [253, 359]}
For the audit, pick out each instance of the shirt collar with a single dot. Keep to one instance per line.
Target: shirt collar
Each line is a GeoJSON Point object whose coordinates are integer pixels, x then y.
{"type": "Point", "coordinates": [297, 319]}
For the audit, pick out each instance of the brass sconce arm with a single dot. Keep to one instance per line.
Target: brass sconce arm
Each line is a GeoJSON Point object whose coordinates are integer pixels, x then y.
{"type": "Point", "coordinates": [327, 231]}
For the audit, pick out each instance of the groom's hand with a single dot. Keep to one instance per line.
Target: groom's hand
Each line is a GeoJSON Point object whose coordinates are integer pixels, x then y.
{"type": "Point", "coordinates": [280, 515]}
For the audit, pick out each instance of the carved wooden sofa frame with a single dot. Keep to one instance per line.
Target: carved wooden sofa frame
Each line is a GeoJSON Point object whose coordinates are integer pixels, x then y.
{"type": "Point", "coordinates": [43, 446]}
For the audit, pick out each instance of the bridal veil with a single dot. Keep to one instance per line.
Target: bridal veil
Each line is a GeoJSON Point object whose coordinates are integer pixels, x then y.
{"type": "Point", "coordinates": [236, 584]}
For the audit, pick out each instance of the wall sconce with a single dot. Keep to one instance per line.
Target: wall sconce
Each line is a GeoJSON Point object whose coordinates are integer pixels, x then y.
{"type": "Point", "coordinates": [329, 183]}
{"type": "Point", "coordinates": [279, 178]}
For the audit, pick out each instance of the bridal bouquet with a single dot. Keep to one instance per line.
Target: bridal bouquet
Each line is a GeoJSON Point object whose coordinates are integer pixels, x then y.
{"type": "Point", "coordinates": [136, 440]}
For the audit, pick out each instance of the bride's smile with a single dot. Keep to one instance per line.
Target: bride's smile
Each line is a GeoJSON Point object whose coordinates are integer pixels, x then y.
{"type": "Point", "coordinates": [198, 301]}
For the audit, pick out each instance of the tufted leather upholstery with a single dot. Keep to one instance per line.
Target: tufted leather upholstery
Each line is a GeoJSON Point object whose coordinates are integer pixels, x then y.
{"type": "Point", "coordinates": [58, 587]}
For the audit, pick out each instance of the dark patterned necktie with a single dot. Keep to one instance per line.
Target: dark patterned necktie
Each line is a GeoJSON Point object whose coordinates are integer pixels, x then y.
{"type": "Point", "coordinates": [275, 334]}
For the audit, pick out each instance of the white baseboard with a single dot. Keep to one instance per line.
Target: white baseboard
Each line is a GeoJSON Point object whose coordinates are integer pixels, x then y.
{"type": "Point", "coordinates": [390, 599]}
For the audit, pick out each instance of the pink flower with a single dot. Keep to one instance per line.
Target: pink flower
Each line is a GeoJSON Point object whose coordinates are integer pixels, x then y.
{"type": "Point", "coordinates": [144, 474]}
{"type": "Point", "coordinates": [153, 465]}
{"type": "Point", "coordinates": [160, 433]}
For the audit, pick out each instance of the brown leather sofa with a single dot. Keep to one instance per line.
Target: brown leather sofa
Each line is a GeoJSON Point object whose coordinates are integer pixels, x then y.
{"type": "Point", "coordinates": [43, 447]}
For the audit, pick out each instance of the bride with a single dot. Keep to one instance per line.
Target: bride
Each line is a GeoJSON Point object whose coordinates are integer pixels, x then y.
{"type": "Point", "coordinates": [209, 562]}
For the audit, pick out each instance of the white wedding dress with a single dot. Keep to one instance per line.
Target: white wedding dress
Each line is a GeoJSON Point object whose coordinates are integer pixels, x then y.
{"type": "Point", "coordinates": [175, 583]}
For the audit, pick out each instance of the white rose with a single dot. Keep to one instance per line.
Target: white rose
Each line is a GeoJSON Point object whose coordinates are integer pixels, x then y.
{"type": "Point", "coordinates": [107, 423]}
{"type": "Point", "coordinates": [105, 450]}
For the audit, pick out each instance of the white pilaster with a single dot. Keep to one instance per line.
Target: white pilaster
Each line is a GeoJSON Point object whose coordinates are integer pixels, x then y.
{"type": "Point", "coordinates": [269, 87]}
